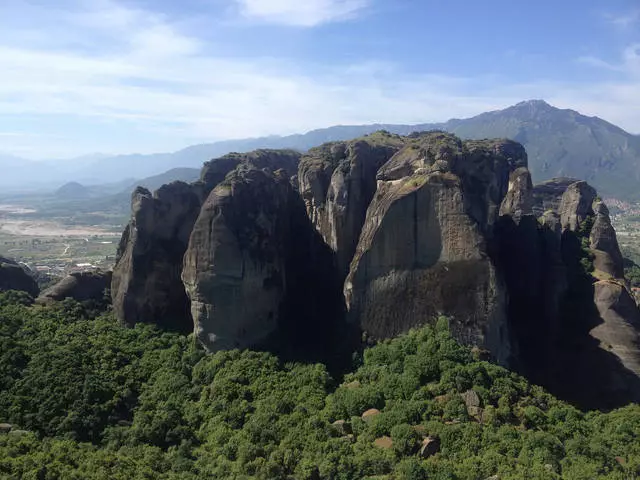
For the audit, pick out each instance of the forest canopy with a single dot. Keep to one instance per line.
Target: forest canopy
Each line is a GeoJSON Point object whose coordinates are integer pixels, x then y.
{"type": "Point", "coordinates": [88, 399]}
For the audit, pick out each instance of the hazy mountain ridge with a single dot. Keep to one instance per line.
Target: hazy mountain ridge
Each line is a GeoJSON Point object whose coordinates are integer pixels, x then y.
{"type": "Point", "coordinates": [560, 142]}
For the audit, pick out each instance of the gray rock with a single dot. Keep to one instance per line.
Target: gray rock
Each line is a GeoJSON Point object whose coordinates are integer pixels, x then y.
{"type": "Point", "coordinates": [338, 181]}
{"type": "Point", "coordinates": [80, 286]}
{"type": "Point", "coordinates": [235, 266]}
{"type": "Point", "coordinates": [146, 285]}
{"type": "Point", "coordinates": [430, 446]}
{"type": "Point", "coordinates": [14, 277]}
{"type": "Point", "coordinates": [604, 243]}
{"type": "Point", "coordinates": [620, 331]}
{"type": "Point", "coordinates": [423, 249]}
{"type": "Point", "coordinates": [576, 205]}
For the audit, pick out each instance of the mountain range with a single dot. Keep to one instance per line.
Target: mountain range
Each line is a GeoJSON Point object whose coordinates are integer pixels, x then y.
{"type": "Point", "coordinates": [559, 142]}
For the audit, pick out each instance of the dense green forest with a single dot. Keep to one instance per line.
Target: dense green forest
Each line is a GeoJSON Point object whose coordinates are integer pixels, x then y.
{"type": "Point", "coordinates": [91, 400]}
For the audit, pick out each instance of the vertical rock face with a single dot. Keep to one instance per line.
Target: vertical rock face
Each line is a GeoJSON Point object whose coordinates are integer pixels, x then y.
{"type": "Point", "coordinates": [146, 284]}
{"type": "Point", "coordinates": [256, 253]}
{"type": "Point", "coordinates": [423, 248]}
{"type": "Point", "coordinates": [13, 277]}
{"type": "Point", "coordinates": [620, 330]}
{"type": "Point", "coordinates": [576, 205]}
{"type": "Point", "coordinates": [234, 269]}
{"type": "Point", "coordinates": [587, 339]}
{"type": "Point", "coordinates": [604, 243]}
{"type": "Point", "coordinates": [337, 182]}
{"type": "Point", "coordinates": [256, 271]}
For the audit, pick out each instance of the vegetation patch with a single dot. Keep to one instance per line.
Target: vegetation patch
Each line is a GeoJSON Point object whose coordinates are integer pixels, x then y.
{"type": "Point", "coordinates": [87, 399]}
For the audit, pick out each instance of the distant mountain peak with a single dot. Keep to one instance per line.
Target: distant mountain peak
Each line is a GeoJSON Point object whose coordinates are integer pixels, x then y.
{"type": "Point", "coordinates": [534, 103]}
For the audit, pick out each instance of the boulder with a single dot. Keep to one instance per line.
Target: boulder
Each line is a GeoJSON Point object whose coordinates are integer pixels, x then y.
{"type": "Point", "coordinates": [619, 331]}
{"type": "Point", "coordinates": [342, 427]}
{"type": "Point", "coordinates": [383, 442]}
{"type": "Point", "coordinates": [430, 446]}
{"type": "Point", "coordinates": [548, 195]}
{"type": "Point", "coordinates": [14, 277]}
{"type": "Point", "coordinates": [80, 286]}
{"type": "Point", "coordinates": [146, 284]}
{"type": "Point", "coordinates": [5, 427]}
{"type": "Point", "coordinates": [576, 205]}
{"type": "Point", "coordinates": [370, 414]}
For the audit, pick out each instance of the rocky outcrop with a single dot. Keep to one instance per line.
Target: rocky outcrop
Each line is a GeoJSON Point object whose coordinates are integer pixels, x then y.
{"type": "Point", "coordinates": [268, 250]}
{"type": "Point", "coordinates": [215, 171]}
{"type": "Point", "coordinates": [81, 286]}
{"type": "Point", "coordinates": [547, 195]}
{"type": "Point", "coordinates": [619, 331]}
{"type": "Point", "coordinates": [14, 277]}
{"type": "Point", "coordinates": [146, 284]}
{"type": "Point", "coordinates": [604, 243]}
{"type": "Point", "coordinates": [424, 246]}
{"type": "Point", "coordinates": [576, 205]}
{"type": "Point", "coordinates": [574, 320]}
{"type": "Point", "coordinates": [235, 267]}
{"type": "Point", "coordinates": [256, 269]}
{"type": "Point", "coordinates": [337, 182]}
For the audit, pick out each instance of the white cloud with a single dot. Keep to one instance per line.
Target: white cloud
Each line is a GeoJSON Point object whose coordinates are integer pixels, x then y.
{"type": "Point", "coordinates": [624, 20]}
{"type": "Point", "coordinates": [138, 69]}
{"type": "Point", "coordinates": [304, 13]}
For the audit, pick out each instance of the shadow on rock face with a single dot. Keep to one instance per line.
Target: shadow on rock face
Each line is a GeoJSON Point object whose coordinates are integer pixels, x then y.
{"type": "Point", "coordinates": [312, 316]}
{"type": "Point", "coordinates": [566, 351]}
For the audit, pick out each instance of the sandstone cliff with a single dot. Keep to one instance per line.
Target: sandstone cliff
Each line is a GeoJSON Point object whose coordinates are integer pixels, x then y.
{"type": "Point", "coordinates": [147, 284]}
{"type": "Point", "coordinates": [255, 270]}
{"type": "Point", "coordinates": [234, 269]}
{"type": "Point", "coordinates": [337, 182]}
{"type": "Point", "coordinates": [14, 277]}
{"type": "Point", "coordinates": [423, 249]}
{"type": "Point", "coordinates": [268, 250]}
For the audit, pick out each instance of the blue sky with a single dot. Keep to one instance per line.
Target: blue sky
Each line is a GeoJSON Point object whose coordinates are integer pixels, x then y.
{"type": "Point", "coordinates": [122, 76]}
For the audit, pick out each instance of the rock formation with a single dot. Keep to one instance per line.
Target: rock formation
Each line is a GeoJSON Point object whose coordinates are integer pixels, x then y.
{"type": "Point", "coordinates": [235, 267]}
{"type": "Point", "coordinates": [14, 277]}
{"type": "Point", "coordinates": [252, 270]}
{"type": "Point", "coordinates": [337, 182]}
{"type": "Point", "coordinates": [271, 249]}
{"type": "Point", "coordinates": [81, 286]}
{"type": "Point", "coordinates": [146, 285]}
{"type": "Point", "coordinates": [423, 249]}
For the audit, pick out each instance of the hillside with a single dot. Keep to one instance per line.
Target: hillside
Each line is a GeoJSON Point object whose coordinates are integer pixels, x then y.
{"type": "Point", "coordinates": [141, 403]}
{"type": "Point", "coordinates": [72, 190]}
{"type": "Point", "coordinates": [563, 143]}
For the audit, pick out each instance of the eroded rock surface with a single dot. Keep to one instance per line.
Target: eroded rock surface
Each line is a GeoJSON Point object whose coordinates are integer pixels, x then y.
{"type": "Point", "coordinates": [146, 284]}
{"type": "Point", "coordinates": [424, 246]}
{"type": "Point", "coordinates": [235, 268]}
{"type": "Point", "coordinates": [337, 182]}
{"type": "Point", "coordinates": [81, 286]}
{"type": "Point", "coordinates": [256, 271]}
